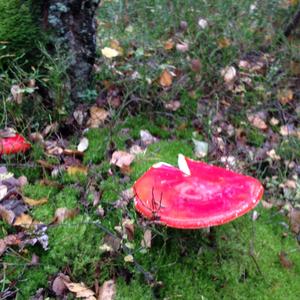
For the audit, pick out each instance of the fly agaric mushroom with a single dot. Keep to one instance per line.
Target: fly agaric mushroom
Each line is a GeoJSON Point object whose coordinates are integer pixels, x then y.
{"type": "Point", "coordinates": [11, 142]}
{"type": "Point", "coordinates": [195, 195]}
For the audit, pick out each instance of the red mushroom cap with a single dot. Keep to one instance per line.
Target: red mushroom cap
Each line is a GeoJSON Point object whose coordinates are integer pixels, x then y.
{"type": "Point", "coordinates": [197, 195]}
{"type": "Point", "coordinates": [13, 144]}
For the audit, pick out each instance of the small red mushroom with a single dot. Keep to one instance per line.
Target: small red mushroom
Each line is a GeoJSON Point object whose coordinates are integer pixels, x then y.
{"type": "Point", "coordinates": [195, 195]}
{"type": "Point", "coordinates": [13, 143]}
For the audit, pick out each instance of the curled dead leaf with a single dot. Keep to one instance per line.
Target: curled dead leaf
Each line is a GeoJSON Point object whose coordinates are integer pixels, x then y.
{"type": "Point", "coordinates": [107, 290]}
{"type": "Point", "coordinates": [169, 45]}
{"type": "Point", "coordinates": [122, 159]}
{"type": "Point", "coordinates": [80, 290]}
{"type": "Point", "coordinates": [257, 121]}
{"type": "Point", "coordinates": [98, 116]}
{"type": "Point", "coordinates": [165, 79]}
{"type": "Point", "coordinates": [229, 74]}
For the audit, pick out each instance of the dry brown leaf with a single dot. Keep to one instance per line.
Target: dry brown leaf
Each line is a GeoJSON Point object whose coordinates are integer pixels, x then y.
{"type": "Point", "coordinates": [77, 170]}
{"type": "Point", "coordinates": [165, 79]}
{"type": "Point", "coordinates": [23, 220]}
{"type": "Point", "coordinates": [128, 226]}
{"type": "Point", "coordinates": [53, 127]}
{"type": "Point", "coordinates": [122, 159]}
{"type": "Point", "coordinates": [10, 240]}
{"type": "Point", "coordinates": [285, 96]}
{"type": "Point", "coordinates": [58, 285]}
{"type": "Point", "coordinates": [7, 215]}
{"type": "Point", "coordinates": [107, 290]}
{"type": "Point", "coordinates": [33, 202]}
{"type": "Point", "coordinates": [285, 261]}
{"type": "Point", "coordinates": [257, 121]}
{"type": "Point", "coordinates": [169, 44]}
{"type": "Point", "coordinates": [115, 44]}
{"type": "Point", "coordinates": [81, 290]}
{"type": "Point", "coordinates": [63, 213]}
{"type": "Point", "coordinates": [98, 116]}
{"type": "Point", "coordinates": [128, 258]}
{"type": "Point", "coordinates": [266, 205]}
{"type": "Point", "coordinates": [146, 241]}
{"type": "Point", "coordinates": [295, 220]}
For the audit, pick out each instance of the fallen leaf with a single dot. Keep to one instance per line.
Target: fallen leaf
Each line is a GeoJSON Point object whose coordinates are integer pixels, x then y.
{"type": "Point", "coordinates": [98, 116]}
{"type": "Point", "coordinates": [147, 239]}
{"type": "Point", "coordinates": [63, 213]}
{"type": "Point", "coordinates": [274, 121]}
{"type": "Point", "coordinates": [294, 216]}
{"type": "Point", "coordinates": [58, 285]}
{"type": "Point", "coordinates": [147, 138]}
{"type": "Point", "coordinates": [128, 226]}
{"type": "Point", "coordinates": [115, 44]}
{"type": "Point", "coordinates": [173, 105]}
{"type": "Point", "coordinates": [273, 155]}
{"type": "Point", "coordinates": [165, 79]}
{"type": "Point", "coordinates": [182, 47]}
{"type": "Point", "coordinates": [229, 74]}
{"type": "Point", "coordinates": [24, 221]}
{"type": "Point", "coordinates": [285, 96]}
{"type": "Point", "coordinates": [109, 52]}
{"type": "Point", "coordinates": [122, 159]}
{"type": "Point", "coordinates": [257, 121]}
{"type": "Point", "coordinates": [3, 191]}
{"type": "Point", "coordinates": [77, 170]}
{"type": "Point", "coordinates": [135, 150]}
{"type": "Point", "coordinates": [80, 290]}
{"type": "Point", "coordinates": [83, 144]}
{"type": "Point", "coordinates": [107, 290]}
{"type": "Point", "coordinates": [110, 243]}
{"type": "Point", "coordinates": [266, 205]}
{"type": "Point", "coordinates": [7, 132]}
{"type": "Point", "coordinates": [10, 240]}
{"type": "Point", "coordinates": [53, 127]}
{"type": "Point", "coordinates": [33, 202]}
{"type": "Point", "coordinates": [7, 215]}
{"type": "Point", "coordinates": [183, 25]}
{"type": "Point", "coordinates": [169, 45]}
{"type": "Point", "coordinates": [285, 261]}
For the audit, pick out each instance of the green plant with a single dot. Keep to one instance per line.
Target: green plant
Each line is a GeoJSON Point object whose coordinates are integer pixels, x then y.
{"type": "Point", "coordinates": [19, 30]}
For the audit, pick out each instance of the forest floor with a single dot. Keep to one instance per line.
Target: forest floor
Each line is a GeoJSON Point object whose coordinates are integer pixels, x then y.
{"type": "Point", "coordinates": [214, 80]}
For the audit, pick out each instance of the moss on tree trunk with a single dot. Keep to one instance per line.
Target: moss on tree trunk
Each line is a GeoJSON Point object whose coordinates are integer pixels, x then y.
{"type": "Point", "coordinates": [73, 28]}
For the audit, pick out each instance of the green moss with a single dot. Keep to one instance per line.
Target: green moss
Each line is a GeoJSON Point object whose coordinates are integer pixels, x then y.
{"type": "Point", "coordinates": [163, 151]}
{"type": "Point", "coordinates": [289, 148]}
{"type": "Point", "coordinates": [255, 137]}
{"type": "Point", "coordinates": [18, 28]}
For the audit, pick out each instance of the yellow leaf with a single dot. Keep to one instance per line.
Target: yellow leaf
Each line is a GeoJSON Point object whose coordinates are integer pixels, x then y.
{"type": "Point", "coordinates": [165, 79]}
{"type": "Point", "coordinates": [109, 52]}
{"type": "Point", "coordinates": [77, 170]}
{"type": "Point", "coordinates": [33, 202]}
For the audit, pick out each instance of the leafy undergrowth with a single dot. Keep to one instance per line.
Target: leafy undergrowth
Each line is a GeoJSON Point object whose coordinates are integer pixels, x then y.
{"type": "Point", "coordinates": [213, 81]}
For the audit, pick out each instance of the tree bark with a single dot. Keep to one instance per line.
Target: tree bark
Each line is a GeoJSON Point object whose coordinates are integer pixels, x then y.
{"type": "Point", "coordinates": [73, 28]}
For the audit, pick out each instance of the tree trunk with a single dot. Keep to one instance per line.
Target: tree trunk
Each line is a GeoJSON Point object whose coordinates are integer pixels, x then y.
{"type": "Point", "coordinates": [73, 27]}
